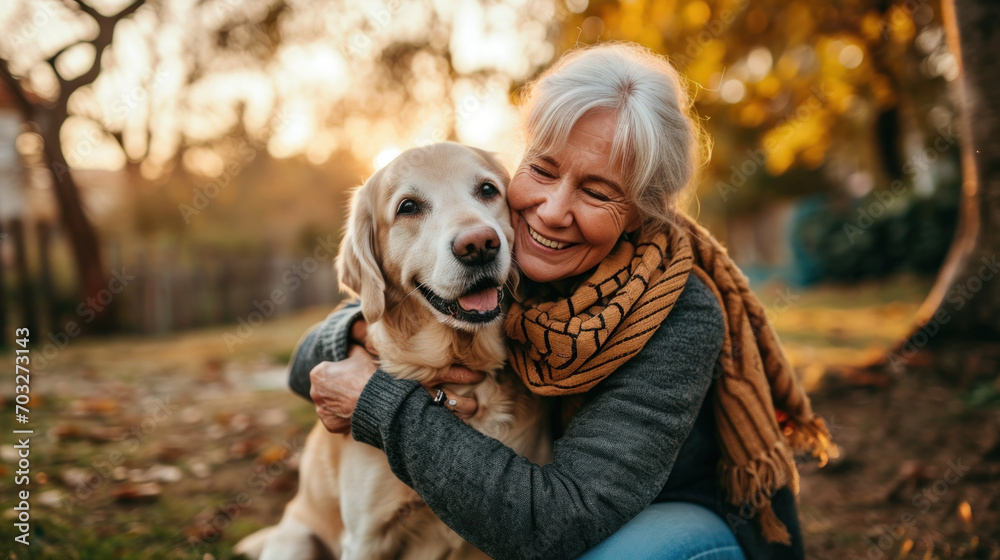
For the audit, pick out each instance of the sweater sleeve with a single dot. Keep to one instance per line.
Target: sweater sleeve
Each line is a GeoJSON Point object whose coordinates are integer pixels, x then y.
{"type": "Point", "coordinates": [327, 341]}
{"type": "Point", "coordinates": [611, 462]}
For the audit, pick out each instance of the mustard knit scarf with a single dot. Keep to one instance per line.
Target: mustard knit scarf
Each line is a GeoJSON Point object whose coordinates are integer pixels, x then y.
{"type": "Point", "coordinates": [568, 346]}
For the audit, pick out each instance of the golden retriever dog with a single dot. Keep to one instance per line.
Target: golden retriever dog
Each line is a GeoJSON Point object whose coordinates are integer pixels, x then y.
{"type": "Point", "coordinates": [427, 250]}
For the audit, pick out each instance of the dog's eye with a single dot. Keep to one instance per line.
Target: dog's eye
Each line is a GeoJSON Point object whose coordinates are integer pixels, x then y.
{"type": "Point", "coordinates": [488, 190]}
{"type": "Point", "coordinates": [406, 207]}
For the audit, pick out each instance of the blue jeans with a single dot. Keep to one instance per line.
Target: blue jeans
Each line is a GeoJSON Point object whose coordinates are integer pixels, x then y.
{"type": "Point", "coordinates": [670, 531]}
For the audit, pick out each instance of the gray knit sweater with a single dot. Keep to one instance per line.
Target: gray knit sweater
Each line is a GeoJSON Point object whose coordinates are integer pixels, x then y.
{"type": "Point", "coordinates": [638, 438]}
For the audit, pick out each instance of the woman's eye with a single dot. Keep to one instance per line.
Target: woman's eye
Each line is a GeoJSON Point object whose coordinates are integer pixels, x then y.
{"type": "Point", "coordinates": [542, 172]}
{"type": "Point", "coordinates": [488, 190]}
{"type": "Point", "coordinates": [406, 207]}
{"type": "Point", "coordinates": [597, 195]}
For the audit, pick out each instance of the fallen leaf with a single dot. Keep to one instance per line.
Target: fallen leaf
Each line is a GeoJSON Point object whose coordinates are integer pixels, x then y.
{"type": "Point", "coordinates": [242, 448]}
{"type": "Point", "coordinates": [74, 477]}
{"type": "Point", "coordinates": [240, 422]}
{"type": "Point", "coordinates": [66, 430]}
{"type": "Point", "coordinates": [136, 493]}
{"type": "Point", "coordinates": [223, 417]}
{"type": "Point", "coordinates": [170, 453]}
{"type": "Point", "coordinates": [965, 512]}
{"type": "Point", "coordinates": [97, 406]}
{"type": "Point", "coordinates": [51, 498]}
{"type": "Point", "coordinates": [273, 454]}
{"type": "Point", "coordinates": [164, 473]}
{"type": "Point", "coordinates": [102, 434]}
{"type": "Point", "coordinates": [199, 469]}
{"type": "Point", "coordinates": [215, 431]}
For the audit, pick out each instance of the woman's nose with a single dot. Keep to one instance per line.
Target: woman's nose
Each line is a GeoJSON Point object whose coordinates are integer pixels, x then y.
{"type": "Point", "coordinates": [555, 211]}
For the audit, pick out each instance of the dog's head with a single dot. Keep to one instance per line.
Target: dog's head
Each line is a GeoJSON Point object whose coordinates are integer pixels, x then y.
{"type": "Point", "coordinates": [433, 224]}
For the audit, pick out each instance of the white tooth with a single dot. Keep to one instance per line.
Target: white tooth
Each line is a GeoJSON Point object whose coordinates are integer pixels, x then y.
{"type": "Point", "coordinates": [544, 241]}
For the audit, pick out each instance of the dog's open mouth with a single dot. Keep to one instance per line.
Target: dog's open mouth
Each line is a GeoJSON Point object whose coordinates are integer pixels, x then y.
{"type": "Point", "coordinates": [480, 304]}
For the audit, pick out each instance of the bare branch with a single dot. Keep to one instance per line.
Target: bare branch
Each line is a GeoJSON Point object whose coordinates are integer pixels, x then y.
{"type": "Point", "coordinates": [128, 10]}
{"type": "Point", "coordinates": [105, 35]}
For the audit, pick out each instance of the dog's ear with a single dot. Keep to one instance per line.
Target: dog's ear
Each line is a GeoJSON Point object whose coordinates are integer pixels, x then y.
{"type": "Point", "coordinates": [357, 265]}
{"type": "Point", "coordinates": [494, 164]}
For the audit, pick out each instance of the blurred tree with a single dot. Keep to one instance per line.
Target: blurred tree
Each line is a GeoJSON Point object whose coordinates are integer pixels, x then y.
{"type": "Point", "coordinates": [965, 301]}
{"type": "Point", "coordinates": [317, 79]}
{"type": "Point", "coordinates": [46, 114]}
{"type": "Point", "coordinates": [201, 89]}
{"type": "Point", "coordinates": [799, 98]}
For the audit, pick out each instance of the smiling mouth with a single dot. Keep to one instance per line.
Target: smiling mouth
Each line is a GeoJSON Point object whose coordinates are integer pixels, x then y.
{"type": "Point", "coordinates": [545, 240]}
{"type": "Point", "coordinates": [480, 304]}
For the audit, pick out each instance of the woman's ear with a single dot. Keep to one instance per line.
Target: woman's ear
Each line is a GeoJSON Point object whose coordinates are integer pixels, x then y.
{"type": "Point", "coordinates": [357, 264]}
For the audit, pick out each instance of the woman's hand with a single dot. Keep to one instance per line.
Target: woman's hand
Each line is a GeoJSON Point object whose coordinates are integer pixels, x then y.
{"type": "Point", "coordinates": [463, 407]}
{"type": "Point", "coordinates": [337, 386]}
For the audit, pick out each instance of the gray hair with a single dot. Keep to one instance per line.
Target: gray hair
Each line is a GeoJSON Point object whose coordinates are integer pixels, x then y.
{"type": "Point", "coordinates": [658, 144]}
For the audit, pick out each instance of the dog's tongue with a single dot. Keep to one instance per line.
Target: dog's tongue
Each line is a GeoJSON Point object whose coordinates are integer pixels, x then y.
{"type": "Point", "coordinates": [482, 302]}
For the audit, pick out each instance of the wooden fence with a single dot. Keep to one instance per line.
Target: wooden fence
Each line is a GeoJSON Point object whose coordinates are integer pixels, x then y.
{"type": "Point", "coordinates": [218, 289]}
{"type": "Point", "coordinates": [158, 290]}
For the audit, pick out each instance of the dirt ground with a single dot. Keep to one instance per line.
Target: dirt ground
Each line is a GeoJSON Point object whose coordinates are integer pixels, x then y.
{"type": "Point", "coordinates": [175, 447]}
{"type": "Point", "coordinates": [918, 476]}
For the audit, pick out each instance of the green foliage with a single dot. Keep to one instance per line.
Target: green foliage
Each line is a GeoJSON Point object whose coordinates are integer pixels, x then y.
{"type": "Point", "coordinates": [864, 238]}
{"type": "Point", "coordinates": [984, 395]}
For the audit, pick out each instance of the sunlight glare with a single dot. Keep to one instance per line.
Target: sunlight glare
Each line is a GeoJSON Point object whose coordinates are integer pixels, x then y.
{"type": "Point", "coordinates": [385, 156]}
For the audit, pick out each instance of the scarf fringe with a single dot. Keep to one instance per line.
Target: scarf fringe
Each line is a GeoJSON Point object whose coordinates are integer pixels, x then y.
{"type": "Point", "coordinates": [773, 529]}
{"type": "Point", "coordinates": [754, 483]}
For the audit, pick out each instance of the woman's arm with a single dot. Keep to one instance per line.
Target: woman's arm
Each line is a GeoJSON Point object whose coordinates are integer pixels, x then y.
{"type": "Point", "coordinates": [328, 345]}
{"type": "Point", "coordinates": [612, 461]}
{"type": "Point", "coordinates": [325, 342]}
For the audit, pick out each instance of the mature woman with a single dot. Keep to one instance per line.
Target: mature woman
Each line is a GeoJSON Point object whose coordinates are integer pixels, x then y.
{"type": "Point", "coordinates": [673, 446]}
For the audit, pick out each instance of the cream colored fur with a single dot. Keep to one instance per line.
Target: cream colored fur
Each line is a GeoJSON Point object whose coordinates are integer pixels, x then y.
{"type": "Point", "coordinates": [348, 497]}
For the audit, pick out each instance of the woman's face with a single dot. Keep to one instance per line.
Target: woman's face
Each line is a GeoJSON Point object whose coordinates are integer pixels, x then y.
{"type": "Point", "coordinates": [570, 208]}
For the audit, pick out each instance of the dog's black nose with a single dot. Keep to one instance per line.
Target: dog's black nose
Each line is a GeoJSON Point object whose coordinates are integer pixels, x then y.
{"type": "Point", "coordinates": [476, 246]}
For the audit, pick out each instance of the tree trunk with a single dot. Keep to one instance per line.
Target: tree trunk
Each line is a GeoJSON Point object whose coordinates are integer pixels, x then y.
{"type": "Point", "coordinates": [49, 117]}
{"type": "Point", "coordinates": [964, 304]}
{"type": "Point", "coordinates": [82, 236]}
